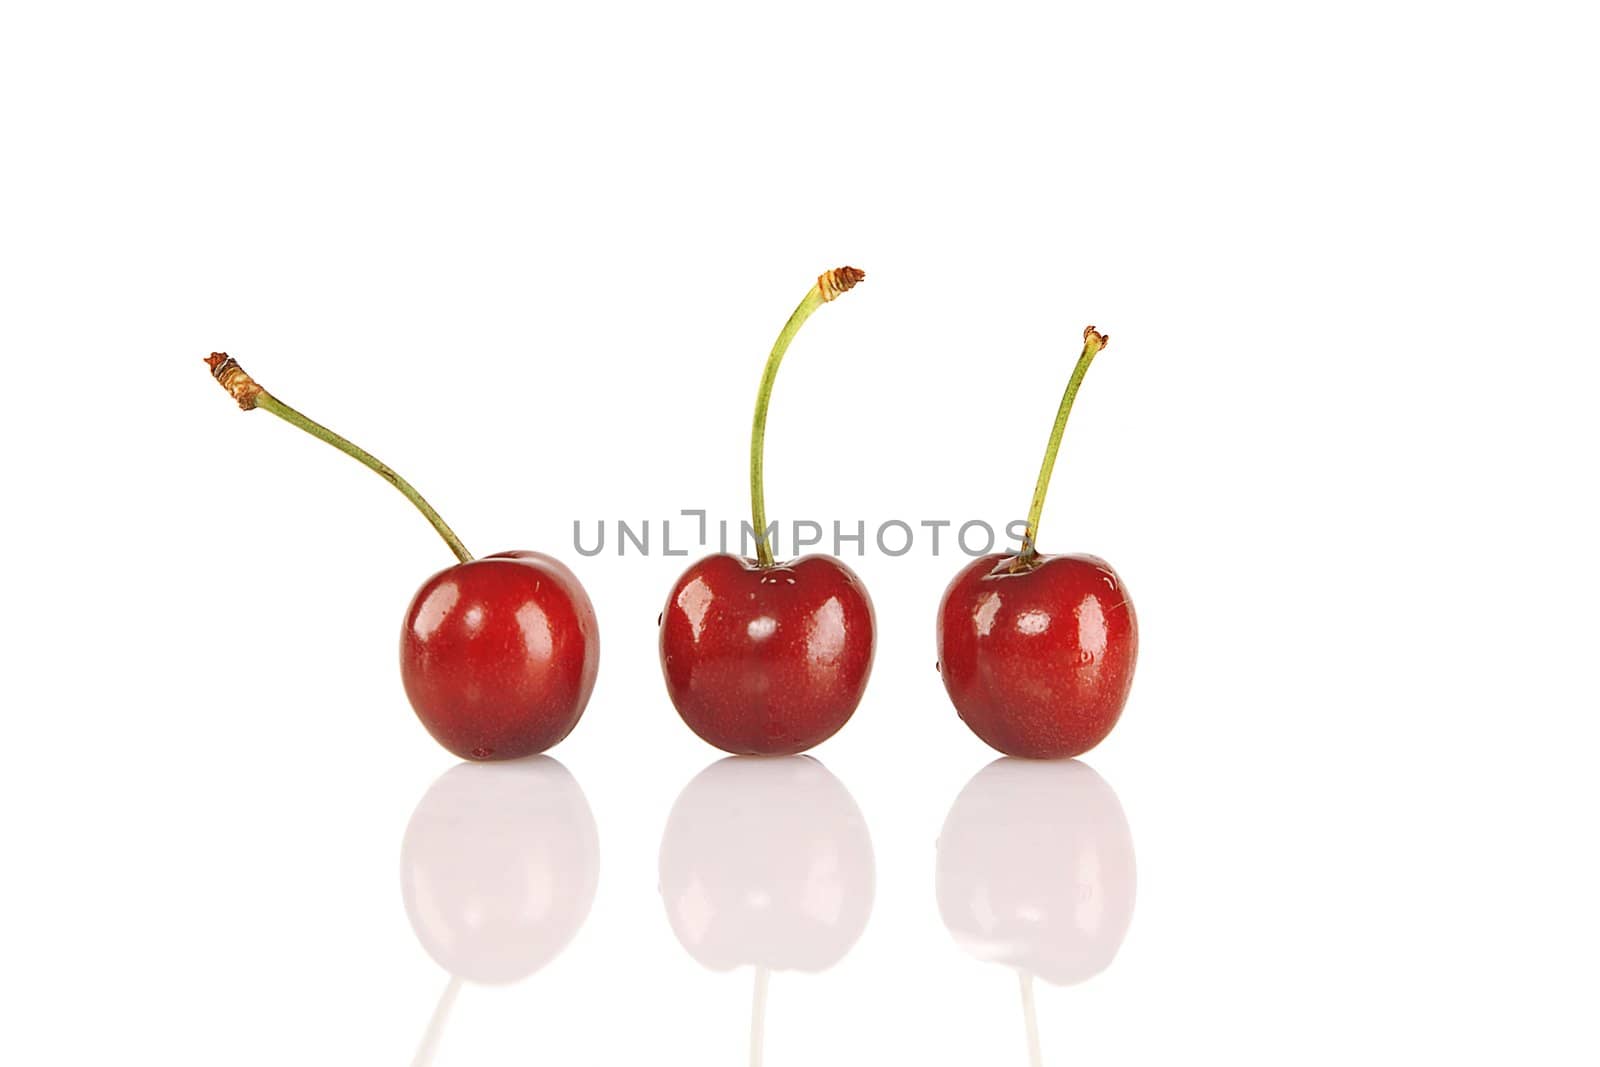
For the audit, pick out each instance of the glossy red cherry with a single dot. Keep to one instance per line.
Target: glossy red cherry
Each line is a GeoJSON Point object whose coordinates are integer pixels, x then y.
{"type": "Point", "coordinates": [767, 661]}
{"type": "Point", "coordinates": [499, 655]}
{"type": "Point", "coordinates": [1038, 660]}
{"type": "Point", "coordinates": [763, 658]}
{"type": "Point", "coordinates": [1037, 652]}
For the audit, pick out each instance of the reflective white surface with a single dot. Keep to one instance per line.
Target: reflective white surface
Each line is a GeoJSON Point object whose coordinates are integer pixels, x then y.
{"type": "Point", "coordinates": [498, 868]}
{"type": "Point", "coordinates": [1036, 872]}
{"type": "Point", "coordinates": [1341, 448]}
{"type": "Point", "coordinates": [1036, 869]}
{"type": "Point", "coordinates": [766, 863]}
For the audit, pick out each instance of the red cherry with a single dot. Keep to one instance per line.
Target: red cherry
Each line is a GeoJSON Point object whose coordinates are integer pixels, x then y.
{"type": "Point", "coordinates": [763, 658]}
{"type": "Point", "coordinates": [767, 661]}
{"type": "Point", "coordinates": [1037, 652]}
{"type": "Point", "coordinates": [1038, 660]}
{"type": "Point", "coordinates": [499, 655]}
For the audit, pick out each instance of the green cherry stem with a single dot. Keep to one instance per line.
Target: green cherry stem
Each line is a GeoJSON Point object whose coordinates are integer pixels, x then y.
{"type": "Point", "coordinates": [829, 286]}
{"type": "Point", "coordinates": [1093, 342]}
{"type": "Point", "coordinates": [250, 396]}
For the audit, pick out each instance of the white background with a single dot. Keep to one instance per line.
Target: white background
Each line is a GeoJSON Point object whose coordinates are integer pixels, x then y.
{"type": "Point", "coordinates": [1341, 449]}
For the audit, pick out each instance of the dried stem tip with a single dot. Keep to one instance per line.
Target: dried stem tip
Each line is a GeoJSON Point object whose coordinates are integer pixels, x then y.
{"type": "Point", "coordinates": [838, 280]}
{"type": "Point", "coordinates": [233, 378]}
{"type": "Point", "coordinates": [1093, 338]}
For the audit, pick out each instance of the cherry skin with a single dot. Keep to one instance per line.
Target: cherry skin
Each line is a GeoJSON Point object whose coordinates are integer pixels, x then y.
{"type": "Point", "coordinates": [767, 661]}
{"type": "Point", "coordinates": [499, 655]}
{"type": "Point", "coordinates": [1038, 658]}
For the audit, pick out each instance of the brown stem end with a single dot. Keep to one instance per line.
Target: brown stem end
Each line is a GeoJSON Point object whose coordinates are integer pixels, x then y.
{"type": "Point", "coordinates": [1094, 340]}
{"type": "Point", "coordinates": [232, 377]}
{"type": "Point", "coordinates": [838, 280]}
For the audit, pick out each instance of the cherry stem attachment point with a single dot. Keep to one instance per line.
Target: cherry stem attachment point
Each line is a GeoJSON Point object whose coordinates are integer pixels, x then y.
{"type": "Point", "coordinates": [1093, 342]}
{"type": "Point", "coordinates": [251, 396]}
{"type": "Point", "coordinates": [829, 286]}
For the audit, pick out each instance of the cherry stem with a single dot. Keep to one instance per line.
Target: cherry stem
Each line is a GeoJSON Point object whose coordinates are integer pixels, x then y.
{"type": "Point", "coordinates": [829, 286]}
{"type": "Point", "coordinates": [1093, 342]}
{"type": "Point", "coordinates": [250, 396]}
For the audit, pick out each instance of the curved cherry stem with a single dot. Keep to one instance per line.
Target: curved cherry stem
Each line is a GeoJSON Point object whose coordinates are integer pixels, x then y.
{"type": "Point", "coordinates": [1093, 342]}
{"type": "Point", "coordinates": [828, 287]}
{"type": "Point", "coordinates": [250, 396]}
